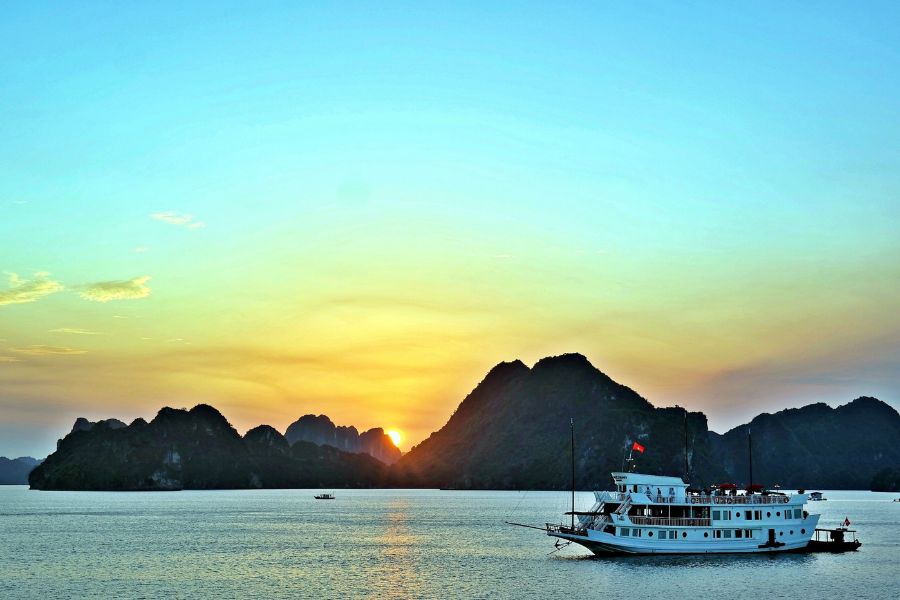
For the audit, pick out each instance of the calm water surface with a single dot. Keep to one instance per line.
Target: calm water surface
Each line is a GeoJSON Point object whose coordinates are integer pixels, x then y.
{"type": "Point", "coordinates": [391, 544]}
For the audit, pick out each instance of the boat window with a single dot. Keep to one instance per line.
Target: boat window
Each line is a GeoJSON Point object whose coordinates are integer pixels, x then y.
{"type": "Point", "coordinates": [717, 514]}
{"type": "Point", "coordinates": [624, 532]}
{"type": "Point", "coordinates": [672, 534]}
{"type": "Point", "coordinates": [718, 533]}
{"type": "Point", "coordinates": [684, 534]}
{"type": "Point", "coordinates": [705, 534]}
{"type": "Point", "coordinates": [749, 514]}
{"type": "Point", "coordinates": [749, 533]}
{"type": "Point", "coordinates": [728, 533]}
{"type": "Point", "coordinates": [797, 513]}
{"type": "Point", "coordinates": [738, 533]}
{"type": "Point", "coordinates": [769, 514]}
{"type": "Point", "coordinates": [802, 531]}
{"type": "Point", "coordinates": [757, 514]}
{"type": "Point", "coordinates": [726, 515]}
{"type": "Point", "coordinates": [662, 535]}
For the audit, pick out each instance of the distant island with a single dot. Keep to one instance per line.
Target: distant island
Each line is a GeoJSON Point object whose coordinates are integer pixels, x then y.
{"type": "Point", "coordinates": [510, 432]}
{"type": "Point", "coordinates": [14, 471]}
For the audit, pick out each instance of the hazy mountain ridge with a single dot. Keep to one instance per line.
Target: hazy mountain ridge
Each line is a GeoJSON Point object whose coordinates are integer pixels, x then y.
{"type": "Point", "coordinates": [14, 471]}
{"type": "Point", "coordinates": [195, 449]}
{"type": "Point", "coordinates": [322, 431]}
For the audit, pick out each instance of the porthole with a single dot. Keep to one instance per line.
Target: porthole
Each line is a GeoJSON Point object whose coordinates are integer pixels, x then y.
{"type": "Point", "coordinates": [802, 531]}
{"type": "Point", "coordinates": [778, 514]}
{"type": "Point", "coordinates": [768, 514]}
{"type": "Point", "coordinates": [780, 533]}
{"type": "Point", "coordinates": [705, 534]}
{"type": "Point", "coordinates": [792, 532]}
{"type": "Point", "coordinates": [737, 515]}
{"type": "Point", "coordinates": [684, 534]}
{"type": "Point", "coordinates": [651, 534]}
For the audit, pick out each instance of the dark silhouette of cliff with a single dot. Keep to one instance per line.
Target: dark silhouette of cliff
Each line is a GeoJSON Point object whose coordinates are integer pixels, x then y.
{"type": "Point", "coordinates": [815, 446]}
{"type": "Point", "coordinates": [194, 449]}
{"type": "Point", "coordinates": [512, 432]}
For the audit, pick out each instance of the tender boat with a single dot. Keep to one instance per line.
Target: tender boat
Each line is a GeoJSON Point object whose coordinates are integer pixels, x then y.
{"type": "Point", "coordinates": [835, 540]}
{"type": "Point", "coordinates": [816, 497]}
{"type": "Point", "coordinates": [653, 514]}
{"type": "Point", "coordinates": [324, 497]}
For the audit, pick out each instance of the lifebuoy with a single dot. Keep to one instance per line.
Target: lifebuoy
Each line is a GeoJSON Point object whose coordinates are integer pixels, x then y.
{"type": "Point", "coordinates": [784, 500]}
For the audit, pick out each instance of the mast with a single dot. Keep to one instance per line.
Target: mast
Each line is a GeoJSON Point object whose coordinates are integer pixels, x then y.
{"type": "Point", "coordinates": [572, 427]}
{"type": "Point", "coordinates": [750, 455]}
{"type": "Point", "coordinates": [686, 469]}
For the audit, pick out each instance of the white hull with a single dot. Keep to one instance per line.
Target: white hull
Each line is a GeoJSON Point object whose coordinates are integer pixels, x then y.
{"type": "Point", "coordinates": [600, 543]}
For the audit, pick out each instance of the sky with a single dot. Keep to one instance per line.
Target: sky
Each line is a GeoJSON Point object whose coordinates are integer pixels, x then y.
{"type": "Point", "coordinates": [358, 209]}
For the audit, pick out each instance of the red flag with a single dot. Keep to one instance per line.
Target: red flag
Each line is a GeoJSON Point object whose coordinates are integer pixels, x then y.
{"type": "Point", "coordinates": [846, 522]}
{"type": "Point", "coordinates": [637, 447]}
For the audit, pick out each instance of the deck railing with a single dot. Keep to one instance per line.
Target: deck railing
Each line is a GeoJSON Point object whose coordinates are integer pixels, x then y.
{"type": "Point", "coordinates": [670, 522]}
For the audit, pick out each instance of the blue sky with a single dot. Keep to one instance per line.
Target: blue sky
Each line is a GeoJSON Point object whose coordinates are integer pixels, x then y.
{"type": "Point", "coordinates": [357, 209]}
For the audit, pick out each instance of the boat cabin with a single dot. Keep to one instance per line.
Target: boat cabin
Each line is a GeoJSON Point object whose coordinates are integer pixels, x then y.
{"type": "Point", "coordinates": [658, 488]}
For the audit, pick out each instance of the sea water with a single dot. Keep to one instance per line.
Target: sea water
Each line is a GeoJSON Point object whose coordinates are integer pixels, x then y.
{"type": "Point", "coordinates": [393, 544]}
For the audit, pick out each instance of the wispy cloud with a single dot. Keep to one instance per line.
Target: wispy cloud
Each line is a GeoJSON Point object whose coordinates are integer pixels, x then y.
{"type": "Point", "coordinates": [129, 289]}
{"type": "Point", "coordinates": [73, 330]}
{"type": "Point", "coordinates": [42, 350]}
{"type": "Point", "coordinates": [28, 290]}
{"type": "Point", "coordinates": [8, 359]}
{"type": "Point", "coordinates": [173, 218]}
{"type": "Point", "coordinates": [141, 249]}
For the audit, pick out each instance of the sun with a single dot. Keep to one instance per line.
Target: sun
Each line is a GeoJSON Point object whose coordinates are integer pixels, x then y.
{"type": "Point", "coordinates": [395, 436]}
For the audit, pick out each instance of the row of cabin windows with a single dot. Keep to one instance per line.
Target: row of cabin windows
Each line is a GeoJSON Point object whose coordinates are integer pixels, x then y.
{"type": "Point", "coordinates": [725, 515]}
{"type": "Point", "coordinates": [672, 534]}
{"type": "Point", "coordinates": [650, 489]}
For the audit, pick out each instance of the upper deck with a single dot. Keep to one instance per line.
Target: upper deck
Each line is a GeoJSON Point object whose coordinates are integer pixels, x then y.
{"type": "Point", "coordinates": [641, 488]}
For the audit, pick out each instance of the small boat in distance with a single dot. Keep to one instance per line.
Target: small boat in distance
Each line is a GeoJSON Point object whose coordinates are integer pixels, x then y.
{"type": "Point", "coordinates": [324, 496]}
{"type": "Point", "coordinates": [816, 497]}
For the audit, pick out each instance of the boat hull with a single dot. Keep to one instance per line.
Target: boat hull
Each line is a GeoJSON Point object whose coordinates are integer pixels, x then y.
{"type": "Point", "coordinates": [603, 544]}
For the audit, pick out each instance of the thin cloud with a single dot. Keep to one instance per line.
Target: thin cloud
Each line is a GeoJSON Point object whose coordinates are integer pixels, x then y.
{"type": "Point", "coordinates": [129, 289]}
{"type": "Point", "coordinates": [74, 331]}
{"type": "Point", "coordinates": [173, 218]}
{"type": "Point", "coordinates": [42, 350]}
{"type": "Point", "coordinates": [9, 359]}
{"type": "Point", "coordinates": [22, 291]}
{"type": "Point", "coordinates": [141, 249]}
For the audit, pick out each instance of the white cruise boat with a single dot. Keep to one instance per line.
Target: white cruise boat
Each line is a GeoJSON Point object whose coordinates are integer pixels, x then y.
{"type": "Point", "coordinates": [653, 514]}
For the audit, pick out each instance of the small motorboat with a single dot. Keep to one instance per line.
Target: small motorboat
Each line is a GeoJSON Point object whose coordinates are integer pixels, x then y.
{"type": "Point", "coordinates": [816, 497]}
{"type": "Point", "coordinates": [324, 496]}
{"type": "Point", "coordinates": [833, 540]}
